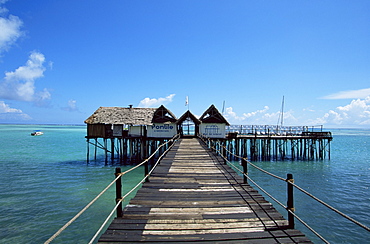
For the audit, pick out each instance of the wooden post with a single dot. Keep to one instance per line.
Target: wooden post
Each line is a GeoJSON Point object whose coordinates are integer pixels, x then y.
{"type": "Point", "coordinates": [119, 193]}
{"type": "Point", "coordinates": [125, 149]}
{"type": "Point", "coordinates": [276, 150]}
{"type": "Point", "coordinates": [237, 145]}
{"type": "Point", "coordinates": [88, 151]}
{"type": "Point", "coordinates": [245, 170]}
{"type": "Point", "coordinates": [143, 151]}
{"type": "Point", "coordinates": [290, 201]}
{"type": "Point", "coordinates": [224, 152]}
{"type": "Point", "coordinates": [121, 150]}
{"type": "Point", "coordinates": [146, 170]}
{"type": "Point", "coordinates": [160, 151]}
{"type": "Point", "coordinates": [106, 151]}
{"type": "Point", "coordinates": [95, 148]}
{"type": "Point", "coordinates": [153, 148]}
{"type": "Point", "coordinates": [112, 149]}
{"type": "Point", "coordinates": [145, 156]}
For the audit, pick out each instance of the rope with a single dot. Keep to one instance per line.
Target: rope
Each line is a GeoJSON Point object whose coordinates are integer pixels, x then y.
{"type": "Point", "coordinates": [79, 213]}
{"type": "Point", "coordinates": [269, 195]}
{"type": "Point", "coordinates": [105, 221]}
{"type": "Point", "coordinates": [280, 178]}
{"type": "Point", "coordinates": [308, 227]}
{"type": "Point", "coordinates": [332, 208]}
{"type": "Point", "coordinates": [275, 176]}
{"type": "Point", "coordinates": [128, 193]}
{"type": "Point", "coordinates": [56, 234]}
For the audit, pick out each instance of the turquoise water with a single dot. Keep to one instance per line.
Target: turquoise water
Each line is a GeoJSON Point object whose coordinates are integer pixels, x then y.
{"type": "Point", "coordinates": [343, 182]}
{"type": "Point", "coordinates": [45, 181]}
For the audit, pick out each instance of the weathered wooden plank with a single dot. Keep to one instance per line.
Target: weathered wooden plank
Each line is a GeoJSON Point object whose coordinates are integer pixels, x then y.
{"type": "Point", "coordinates": [187, 221]}
{"type": "Point", "coordinates": [263, 236]}
{"type": "Point", "coordinates": [193, 197]}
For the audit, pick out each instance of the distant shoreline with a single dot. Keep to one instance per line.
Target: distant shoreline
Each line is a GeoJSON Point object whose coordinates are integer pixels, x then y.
{"type": "Point", "coordinates": [84, 125]}
{"type": "Point", "coordinates": [44, 124]}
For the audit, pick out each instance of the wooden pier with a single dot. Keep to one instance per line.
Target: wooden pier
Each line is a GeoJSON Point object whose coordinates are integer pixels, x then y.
{"type": "Point", "coordinates": [267, 147]}
{"type": "Point", "coordinates": [129, 135]}
{"type": "Point", "coordinates": [193, 196]}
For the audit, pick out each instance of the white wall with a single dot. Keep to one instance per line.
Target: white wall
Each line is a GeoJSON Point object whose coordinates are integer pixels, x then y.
{"type": "Point", "coordinates": [161, 130]}
{"type": "Point", "coordinates": [136, 130]}
{"type": "Point", "coordinates": [212, 130]}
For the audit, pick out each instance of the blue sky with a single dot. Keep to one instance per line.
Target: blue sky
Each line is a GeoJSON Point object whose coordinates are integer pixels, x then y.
{"type": "Point", "coordinates": [61, 60]}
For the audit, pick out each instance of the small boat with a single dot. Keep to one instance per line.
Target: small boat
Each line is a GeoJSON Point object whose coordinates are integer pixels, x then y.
{"type": "Point", "coordinates": [37, 133]}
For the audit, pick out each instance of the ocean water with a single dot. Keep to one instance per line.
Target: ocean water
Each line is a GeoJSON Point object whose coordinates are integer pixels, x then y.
{"type": "Point", "coordinates": [343, 182]}
{"type": "Point", "coordinates": [45, 181]}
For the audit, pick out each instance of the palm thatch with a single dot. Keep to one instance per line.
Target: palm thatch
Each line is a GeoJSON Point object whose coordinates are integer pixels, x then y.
{"type": "Point", "coordinates": [212, 115]}
{"type": "Point", "coordinates": [163, 115]}
{"type": "Point", "coordinates": [190, 115]}
{"type": "Point", "coordinates": [120, 115]}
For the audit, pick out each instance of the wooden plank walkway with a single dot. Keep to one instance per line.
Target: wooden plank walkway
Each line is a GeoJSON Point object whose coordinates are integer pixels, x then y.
{"type": "Point", "coordinates": [193, 197]}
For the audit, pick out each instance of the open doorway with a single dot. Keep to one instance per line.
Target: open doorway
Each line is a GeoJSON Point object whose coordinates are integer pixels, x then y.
{"type": "Point", "coordinates": [188, 125]}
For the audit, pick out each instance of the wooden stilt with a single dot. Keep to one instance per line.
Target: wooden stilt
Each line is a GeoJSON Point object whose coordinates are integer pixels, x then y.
{"type": "Point", "coordinates": [88, 151]}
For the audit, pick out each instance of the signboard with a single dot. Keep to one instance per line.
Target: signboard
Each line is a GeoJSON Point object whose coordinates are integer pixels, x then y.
{"type": "Point", "coordinates": [212, 130]}
{"type": "Point", "coordinates": [161, 130]}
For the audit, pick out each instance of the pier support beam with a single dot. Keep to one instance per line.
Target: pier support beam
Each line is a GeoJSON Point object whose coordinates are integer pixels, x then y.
{"type": "Point", "coordinates": [290, 201]}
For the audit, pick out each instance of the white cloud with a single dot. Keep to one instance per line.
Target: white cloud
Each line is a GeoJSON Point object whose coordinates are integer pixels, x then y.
{"type": "Point", "coordinates": [355, 113]}
{"type": "Point", "coordinates": [4, 108]}
{"type": "Point", "coordinates": [9, 29]}
{"type": "Point", "coordinates": [260, 117]}
{"type": "Point", "coordinates": [72, 106]}
{"type": "Point", "coordinates": [251, 114]}
{"type": "Point", "coordinates": [12, 114]}
{"type": "Point", "coordinates": [20, 84]}
{"type": "Point", "coordinates": [43, 95]}
{"type": "Point", "coordinates": [351, 94]}
{"type": "Point", "coordinates": [232, 116]}
{"type": "Point", "coordinates": [154, 102]}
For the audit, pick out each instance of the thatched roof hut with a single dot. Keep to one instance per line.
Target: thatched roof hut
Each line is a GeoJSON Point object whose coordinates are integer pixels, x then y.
{"type": "Point", "coordinates": [190, 115]}
{"type": "Point", "coordinates": [212, 115]}
{"type": "Point", "coordinates": [107, 122]}
{"type": "Point", "coordinates": [123, 116]}
{"type": "Point", "coordinates": [131, 116]}
{"type": "Point", "coordinates": [163, 115]}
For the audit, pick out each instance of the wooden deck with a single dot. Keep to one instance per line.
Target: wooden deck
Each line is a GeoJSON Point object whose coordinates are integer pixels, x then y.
{"type": "Point", "coordinates": [193, 197]}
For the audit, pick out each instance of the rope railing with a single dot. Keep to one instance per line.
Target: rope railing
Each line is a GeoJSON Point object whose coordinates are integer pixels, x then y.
{"type": "Point", "coordinates": [332, 208]}
{"type": "Point", "coordinates": [290, 182]}
{"type": "Point", "coordinates": [81, 212]}
{"type": "Point", "coordinates": [127, 194]}
{"type": "Point", "coordinates": [255, 166]}
{"type": "Point", "coordinates": [289, 210]}
{"type": "Point", "coordinates": [118, 176]}
{"type": "Point", "coordinates": [105, 221]}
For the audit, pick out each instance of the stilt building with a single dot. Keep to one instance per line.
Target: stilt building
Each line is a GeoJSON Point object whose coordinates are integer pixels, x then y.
{"type": "Point", "coordinates": [129, 135]}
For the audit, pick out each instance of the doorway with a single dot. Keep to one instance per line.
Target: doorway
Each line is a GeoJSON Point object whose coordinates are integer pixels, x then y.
{"type": "Point", "coordinates": [188, 125]}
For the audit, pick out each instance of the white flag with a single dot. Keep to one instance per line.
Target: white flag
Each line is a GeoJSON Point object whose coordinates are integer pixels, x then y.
{"type": "Point", "coordinates": [186, 100]}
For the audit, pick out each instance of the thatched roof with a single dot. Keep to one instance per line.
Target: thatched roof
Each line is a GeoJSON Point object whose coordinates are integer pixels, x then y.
{"type": "Point", "coordinates": [163, 115]}
{"type": "Point", "coordinates": [131, 116]}
{"type": "Point", "coordinates": [212, 115]}
{"type": "Point", "coordinates": [186, 115]}
{"type": "Point", "coordinates": [119, 115]}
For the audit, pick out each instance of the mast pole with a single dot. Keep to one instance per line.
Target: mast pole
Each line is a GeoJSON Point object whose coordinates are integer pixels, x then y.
{"type": "Point", "coordinates": [282, 112]}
